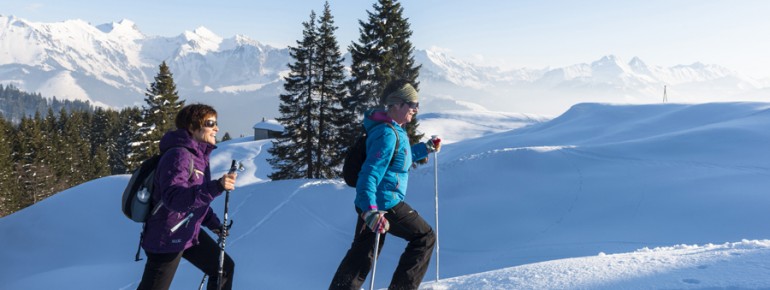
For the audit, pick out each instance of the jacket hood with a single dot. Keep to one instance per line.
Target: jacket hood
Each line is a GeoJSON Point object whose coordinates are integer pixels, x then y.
{"type": "Point", "coordinates": [374, 117]}
{"type": "Point", "coordinates": [183, 138]}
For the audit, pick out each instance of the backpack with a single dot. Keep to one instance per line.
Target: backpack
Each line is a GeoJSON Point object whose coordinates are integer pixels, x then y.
{"type": "Point", "coordinates": [356, 155]}
{"type": "Point", "coordinates": [137, 196]}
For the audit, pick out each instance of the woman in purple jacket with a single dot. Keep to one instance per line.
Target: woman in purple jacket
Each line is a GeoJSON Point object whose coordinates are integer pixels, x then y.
{"type": "Point", "coordinates": [184, 187]}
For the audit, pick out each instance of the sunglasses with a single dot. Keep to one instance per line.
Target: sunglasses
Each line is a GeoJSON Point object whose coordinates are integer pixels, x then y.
{"type": "Point", "coordinates": [209, 123]}
{"type": "Point", "coordinates": [413, 105]}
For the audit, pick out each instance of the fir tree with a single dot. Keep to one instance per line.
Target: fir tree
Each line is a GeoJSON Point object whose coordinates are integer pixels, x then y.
{"type": "Point", "coordinates": [293, 152]}
{"type": "Point", "coordinates": [104, 128]}
{"type": "Point", "coordinates": [158, 116]}
{"type": "Point", "coordinates": [45, 155]}
{"type": "Point", "coordinates": [31, 173]}
{"type": "Point", "coordinates": [226, 137]}
{"type": "Point", "coordinates": [78, 147]}
{"type": "Point", "coordinates": [128, 120]}
{"type": "Point", "coordinates": [55, 155]}
{"type": "Point", "coordinates": [7, 182]}
{"type": "Point", "coordinates": [384, 53]}
{"type": "Point", "coordinates": [331, 90]}
{"type": "Point", "coordinates": [311, 109]}
{"type": "Point", "coordinates": [101, 167]}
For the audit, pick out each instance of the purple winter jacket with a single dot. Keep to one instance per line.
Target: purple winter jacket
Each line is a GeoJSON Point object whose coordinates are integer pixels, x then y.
{"type": "Point", "coordinates": [182, 193]}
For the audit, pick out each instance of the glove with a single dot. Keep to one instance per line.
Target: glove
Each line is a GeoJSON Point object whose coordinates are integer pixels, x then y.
{"type": "Point", "coordinates": [376, 221]}
{"type": "Point", "coordinates": [434, 144]}
{"type": "Point", "coordinates": [222, 231]}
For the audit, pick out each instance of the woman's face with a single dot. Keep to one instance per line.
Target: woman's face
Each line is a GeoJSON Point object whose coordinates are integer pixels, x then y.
{"type": "Point", "coordinates": [208, 131]}
{"type": "Point", "coordinates": [404, 112]}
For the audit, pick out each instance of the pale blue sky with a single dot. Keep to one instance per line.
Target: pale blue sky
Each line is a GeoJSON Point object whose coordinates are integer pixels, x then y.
{"type": "Point", "coordinates": [509, 34]}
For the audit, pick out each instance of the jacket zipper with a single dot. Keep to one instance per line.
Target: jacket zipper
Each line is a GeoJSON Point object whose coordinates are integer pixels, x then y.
{"type": "Point", "coordinates": [184, 221]}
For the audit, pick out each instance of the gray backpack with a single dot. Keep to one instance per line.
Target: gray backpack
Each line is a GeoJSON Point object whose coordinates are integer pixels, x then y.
{"type": "Point", "coordinates": [137, 196]}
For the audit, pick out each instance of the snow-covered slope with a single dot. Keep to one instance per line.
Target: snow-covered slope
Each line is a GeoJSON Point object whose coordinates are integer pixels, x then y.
{"type": "Point", "coordinates": [740, 265]}
{"type": "Point", "coordinates": [558, 199]}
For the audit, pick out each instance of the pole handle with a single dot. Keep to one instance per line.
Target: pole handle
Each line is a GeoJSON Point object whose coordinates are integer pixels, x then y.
{"type": "Point", "coordinates": [233, 167]}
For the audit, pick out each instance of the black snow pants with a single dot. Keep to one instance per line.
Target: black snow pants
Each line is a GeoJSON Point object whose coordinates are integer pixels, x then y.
{"type": "Point", "coordinates": [161, 267]}
{"type": "Point", "coordinates": [405, 223]}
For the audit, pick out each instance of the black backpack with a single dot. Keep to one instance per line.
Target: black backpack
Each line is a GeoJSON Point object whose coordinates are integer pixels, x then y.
{"type": "Point", "coordinates": [356, 155]}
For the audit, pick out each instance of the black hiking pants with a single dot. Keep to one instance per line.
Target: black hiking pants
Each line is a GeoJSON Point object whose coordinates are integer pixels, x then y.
{"type": "Point", "coordinates": [405, 223]}
{"type": "Point", "coordinates": [161, 267]}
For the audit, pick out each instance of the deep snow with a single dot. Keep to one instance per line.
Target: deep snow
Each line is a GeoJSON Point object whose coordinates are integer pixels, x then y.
{"type": "Point", "coordinates": [602, 197]}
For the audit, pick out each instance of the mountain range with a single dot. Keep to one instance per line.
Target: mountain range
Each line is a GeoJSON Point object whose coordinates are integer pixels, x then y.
{"type": "Point", "coordinates": [113, 64]}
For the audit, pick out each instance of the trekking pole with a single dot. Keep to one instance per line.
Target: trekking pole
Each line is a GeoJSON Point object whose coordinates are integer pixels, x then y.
{"type": "Point", "coordinates": [221, 261]}
{"type": "Point", "coordinates": [223, 230]}
{"type": "Point", "coordinates": [200, 287]}
{"type": "Point", "coordinates": [435, 186]}
{"type": "Point", "coordinates": [374, 263]}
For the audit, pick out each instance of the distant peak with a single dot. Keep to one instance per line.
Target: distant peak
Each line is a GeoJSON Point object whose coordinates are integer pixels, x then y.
{"type": "Point", "coordinates": [201, 34]}
{"type": "Point", "coordinates": [243, 39]}
{"type": "Point", "coordinates": [609, 58]}
{"type": "Point", "coordinates": [126, 22]}
{"type": "Point", "coordinates": [10, 19]}
{"type": "Point", "coordinates": [123, 27]}
{"type": "Point", "coordinates": [205, 32]}
{"type": "Point", "coordinates": [637, 63]}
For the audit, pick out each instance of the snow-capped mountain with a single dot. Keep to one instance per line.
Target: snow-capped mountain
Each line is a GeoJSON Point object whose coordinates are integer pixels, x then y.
{"type": "Point", "coordinates": [553, 90]}
{"type": "Point", "coordinates": [113, 64]}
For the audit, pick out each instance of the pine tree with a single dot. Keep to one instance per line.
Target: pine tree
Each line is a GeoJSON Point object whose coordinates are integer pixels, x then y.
{"type": "Point", "coordinates": [7, 183]}
{"type": "Point", "coordinates": [384, 53]}
{"type": "Point", "coordinates": [226, 137]}
{"type": "Point", "coordinates": [158, 116]}
{"type": "Point", "coordinates": [13, 189]}
{"type": "Point", "coordinates": [32, 174]}
{"type": "Point", "coordinates": [293, 152]}
{"type": "Point", "coordinates": [55, 156]}
{"type": "Point", "coordinates": [104, 137]}
{"type": "Point", "coordinates": [63, 165]}
{"type": "Point", "coordinates": [311, 109]}
{"type": "Point", "coordinates": [331, 91]}
{"type": "Point", "coordinates": [76, 133]}
{"type": "Point", "coordinates": [128, 120]}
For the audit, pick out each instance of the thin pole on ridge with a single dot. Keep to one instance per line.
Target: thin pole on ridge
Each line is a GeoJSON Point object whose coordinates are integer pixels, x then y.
{"type": "Point", "coordinates": [435, 183]}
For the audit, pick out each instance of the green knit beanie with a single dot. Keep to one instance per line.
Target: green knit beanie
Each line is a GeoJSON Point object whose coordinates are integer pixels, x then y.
{"type": "Point", "coordinates": [406, 93]}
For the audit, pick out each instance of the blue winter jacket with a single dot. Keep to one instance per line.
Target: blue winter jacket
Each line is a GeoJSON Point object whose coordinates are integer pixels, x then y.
{"type": "Point", "coordinates": [183, 193]}
{"type": "Point", "coordinates": [382, 184]}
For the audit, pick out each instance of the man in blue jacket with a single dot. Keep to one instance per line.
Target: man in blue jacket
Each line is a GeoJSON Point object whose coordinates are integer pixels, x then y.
{"type": "Point", "coordinates": [380, 193]}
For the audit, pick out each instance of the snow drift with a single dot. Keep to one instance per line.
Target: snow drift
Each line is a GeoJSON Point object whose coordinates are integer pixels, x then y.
{"type": "Point", "coordinates": [602, 187]}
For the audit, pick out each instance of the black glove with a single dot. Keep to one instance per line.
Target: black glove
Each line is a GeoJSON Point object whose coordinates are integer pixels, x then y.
{"type": "Point", "coordinates": [222, 230]}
